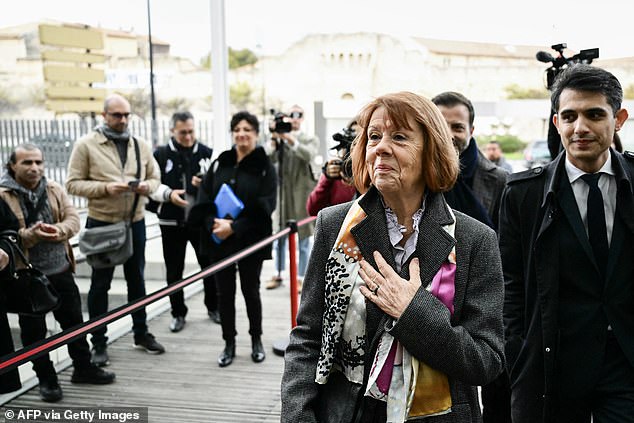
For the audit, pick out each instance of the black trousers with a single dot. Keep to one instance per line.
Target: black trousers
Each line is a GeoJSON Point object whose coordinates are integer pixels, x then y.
{"type": "Point", "coordinates": [101, 280]}
{"type": "Point", "coordinates": [175, 239]}
{"type": "Point", "coordinates": [249, 269]}
{"type": "Point", "coordinates": [496, 400]}
{"type": "Point", "coordinates": [68, 314]}
{"type": "Point", "coordinates": [9, 381]}
{"type": "Point", "coordinates": [612, 398]}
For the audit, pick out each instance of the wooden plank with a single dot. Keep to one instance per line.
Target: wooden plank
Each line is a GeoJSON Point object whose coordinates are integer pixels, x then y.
{"type": "Point", "coordinates": [75, 92]}
{"type": "Point", "coordinates": [65, 36]}
{"type": "Point", "coordinates": [185, 384]}
{"type": "Point", "coordinates": [56, 73]}
{"type": "Point", "coordinates": [71, 106]}
{"type": "Point", "coordinates": [72, 56]}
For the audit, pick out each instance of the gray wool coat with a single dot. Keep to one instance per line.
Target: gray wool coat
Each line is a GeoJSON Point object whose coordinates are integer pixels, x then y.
{"type": "Point", "coordinates": [467, 347]}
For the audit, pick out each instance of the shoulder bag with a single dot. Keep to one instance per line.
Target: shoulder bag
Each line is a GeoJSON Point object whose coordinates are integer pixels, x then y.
{"type": "Point", "coordinates": [28, 291]}
{"type": "Point", "coordinates": [111, 245]}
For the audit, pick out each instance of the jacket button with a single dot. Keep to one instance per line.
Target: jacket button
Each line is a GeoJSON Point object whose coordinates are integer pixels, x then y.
{"type": "Point", "coordinates": [537, 170]}
{"type": "Point", "coordinates": [547, 349]}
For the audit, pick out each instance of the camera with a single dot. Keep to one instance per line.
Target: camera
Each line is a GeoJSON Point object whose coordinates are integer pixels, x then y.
{"type": "Point", "coordinates": [345, 139]}
{"type": "Point", "coordinates": [279, 124]}
{"type": "Point", "coordinates": [560, 62]}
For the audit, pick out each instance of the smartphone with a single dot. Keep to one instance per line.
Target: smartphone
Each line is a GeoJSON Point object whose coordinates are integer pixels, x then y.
{"type": "Point", "coordinates": [134, 184]}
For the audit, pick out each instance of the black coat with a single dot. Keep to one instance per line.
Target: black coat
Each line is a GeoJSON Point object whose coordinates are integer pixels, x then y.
{"type": "Point", "coordinates": [9, 381]}
{"type": "Point", "coordinates": [545, 251]}
{"type": "Point", "coordinates": [254, 182]}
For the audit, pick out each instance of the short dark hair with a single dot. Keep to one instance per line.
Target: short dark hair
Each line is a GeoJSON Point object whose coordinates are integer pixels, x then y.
{"type": "Point", "coordinates": [13, 158]}
{"type": "Point", "coordinates": [451, 99]}
{"type": "Point", "coordinates": [244, 115]}
{"type": "Point", "coordinates": [180, 116]}
{"type": "Point", "coordinates": [582, 77]}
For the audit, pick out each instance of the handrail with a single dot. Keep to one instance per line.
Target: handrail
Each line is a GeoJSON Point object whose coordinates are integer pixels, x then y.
{"type": "Point", "coordinates": [31, 352]}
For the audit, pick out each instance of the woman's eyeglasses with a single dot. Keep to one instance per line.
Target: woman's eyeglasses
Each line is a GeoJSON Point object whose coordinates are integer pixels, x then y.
{"type": "Point", "coordinates": [295, 115]}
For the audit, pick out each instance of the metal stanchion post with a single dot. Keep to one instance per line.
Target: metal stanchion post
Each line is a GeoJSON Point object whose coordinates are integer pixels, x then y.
{"type": "Point", "coordinates": [279, 347]}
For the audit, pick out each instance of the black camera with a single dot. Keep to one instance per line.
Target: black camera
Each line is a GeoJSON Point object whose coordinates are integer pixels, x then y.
{"type": "Point", "coordinates": [279, 124]}
{"type": "Point", "coordinates": [345, 139]}
{"type": "Point", "coordinates": [560, 62]}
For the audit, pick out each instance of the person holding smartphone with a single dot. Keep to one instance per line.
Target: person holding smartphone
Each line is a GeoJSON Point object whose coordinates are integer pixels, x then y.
{"type": "Point", "coordinates": [103, 168]}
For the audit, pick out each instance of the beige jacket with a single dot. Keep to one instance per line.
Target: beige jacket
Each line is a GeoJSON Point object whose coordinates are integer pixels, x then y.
{"type": "Point", "coordinates": [64, 214]}
{"type": "Point", "coordinates": [95, 162]}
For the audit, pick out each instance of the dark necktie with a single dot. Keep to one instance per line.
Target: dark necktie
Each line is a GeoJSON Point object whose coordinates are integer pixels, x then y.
{"type": "Point", "coordinates": [597, 232]}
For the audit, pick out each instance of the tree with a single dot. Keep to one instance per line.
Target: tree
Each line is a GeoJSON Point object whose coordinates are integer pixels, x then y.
{"type": "Point", "coordinates": [515, 92]}
{"type": "Point", "coordinates": [173, 104]}
{"type": "Point", "coordinates": [240, 95]}
{"type": "Point", "coordinates": [140, 102]}
{"type": "Point", "coordinates": [237, 58]}
{"type": "Point", "coordinates": [508, 143]}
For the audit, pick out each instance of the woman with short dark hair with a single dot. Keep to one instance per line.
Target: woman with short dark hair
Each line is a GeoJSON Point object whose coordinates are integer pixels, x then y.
{"type": "Point", "coordinates": [247, 170]}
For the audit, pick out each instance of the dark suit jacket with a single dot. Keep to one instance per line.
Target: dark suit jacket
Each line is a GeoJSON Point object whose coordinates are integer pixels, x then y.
{"type": "Point", "coordinates": [465, 346]}
{"type": "Point", "coordinates": [489, 181]}
{"type": "Point", "coordinates": [557, 305]}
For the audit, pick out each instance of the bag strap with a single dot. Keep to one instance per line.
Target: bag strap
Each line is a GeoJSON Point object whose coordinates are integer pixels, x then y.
{"type": "Point", "coordinates": [138, 175]}
{"type": "Point", "coordinates": [10, 238]}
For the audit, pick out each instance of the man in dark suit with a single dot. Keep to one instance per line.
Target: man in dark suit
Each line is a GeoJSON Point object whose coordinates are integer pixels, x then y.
{"type": "Point", "coordinates": [567, 240]}
{"type": "Point", "coordinates": [477, 193]}
{"type": "Point", "coordinates": [478, 190]}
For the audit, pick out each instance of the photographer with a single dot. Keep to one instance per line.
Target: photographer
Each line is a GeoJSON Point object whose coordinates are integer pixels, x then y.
{"type": "Point", "coordinates": [335, 183]}
{"type": "Point", "coordinates": [296, 149]}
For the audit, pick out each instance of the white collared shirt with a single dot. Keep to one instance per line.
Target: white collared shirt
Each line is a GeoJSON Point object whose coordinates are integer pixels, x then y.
{"type": "Point", "coordinates": [607, 185]}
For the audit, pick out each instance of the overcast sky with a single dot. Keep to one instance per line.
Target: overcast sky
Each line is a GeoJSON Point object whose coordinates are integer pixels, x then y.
{"type": "Point", "coordinates": [270, 26]}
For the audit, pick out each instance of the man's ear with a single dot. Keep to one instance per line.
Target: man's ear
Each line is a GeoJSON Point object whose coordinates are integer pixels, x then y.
{"type": "Point", "coordinates": [556, 122]}
{"type": "Point", "coordinates": [621, 117]}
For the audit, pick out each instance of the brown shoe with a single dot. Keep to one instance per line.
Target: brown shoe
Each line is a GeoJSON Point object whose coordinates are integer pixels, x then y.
{"type": "Point", "coordinates": [274, 282]}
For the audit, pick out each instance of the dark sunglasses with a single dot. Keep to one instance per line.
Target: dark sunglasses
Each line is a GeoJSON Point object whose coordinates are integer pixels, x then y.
{"type": "Point", "coordinates": [118, 115]}
{"type": "Point", "coordinates": [295, 115]}
{"type": "Point", "coordinates": [184, 132]}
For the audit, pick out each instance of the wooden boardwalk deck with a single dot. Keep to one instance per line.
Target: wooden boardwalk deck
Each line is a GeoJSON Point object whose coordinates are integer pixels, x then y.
{"type": "Point", "coordinates": [185, 384]}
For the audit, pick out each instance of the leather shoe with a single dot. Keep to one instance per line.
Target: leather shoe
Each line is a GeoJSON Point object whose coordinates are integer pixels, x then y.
{"type": "Point", "coordinates": [226, 356]}
{"type": "Point", "coordinates": [214, 316]}
{"type": "Point", "coordinates": [257, 350]}
{"type": "Point", "coordinates": [274, 282]}
{"type": "Point", "coordinates": [177, 324]}
{"type": "Point", "coordinates": [99, 355]}
{"type": "Point", "coordinates": [93, 375]}
{"type": "Point", "coordinates": [50, 391]}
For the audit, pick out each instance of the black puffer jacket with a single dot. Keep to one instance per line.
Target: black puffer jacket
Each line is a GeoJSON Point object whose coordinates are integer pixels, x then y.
{"type": "Point", "coordinates": [254, 182]}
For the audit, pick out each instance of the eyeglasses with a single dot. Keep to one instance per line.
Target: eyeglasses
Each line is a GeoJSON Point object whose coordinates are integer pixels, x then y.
{"type": "Point", "coordinates": [118, 115]}
{"type": "Point", "coordinates": [295, 115]}
{"type": "Point", "coordinates": [184, 132]}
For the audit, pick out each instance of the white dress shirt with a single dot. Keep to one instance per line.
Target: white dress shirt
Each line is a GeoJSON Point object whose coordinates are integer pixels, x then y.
{"type": "Point", "coordinates": [607, 185]}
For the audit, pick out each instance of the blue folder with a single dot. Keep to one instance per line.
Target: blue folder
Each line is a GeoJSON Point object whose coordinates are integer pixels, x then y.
{"type": "Point", "coordinates": [228, 206]}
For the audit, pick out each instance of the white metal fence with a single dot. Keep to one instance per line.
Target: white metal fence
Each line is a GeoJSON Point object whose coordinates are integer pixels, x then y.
{"type": "Point", "coordinates": [56, 138]}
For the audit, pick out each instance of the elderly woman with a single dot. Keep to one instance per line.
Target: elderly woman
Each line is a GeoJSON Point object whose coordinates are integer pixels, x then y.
{"type": "Point", "coordinates": [247, 170]}
{"type": "Point", "coordinates": [401, 313]}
